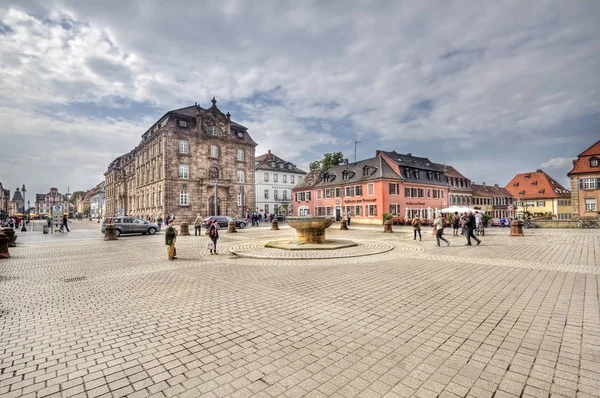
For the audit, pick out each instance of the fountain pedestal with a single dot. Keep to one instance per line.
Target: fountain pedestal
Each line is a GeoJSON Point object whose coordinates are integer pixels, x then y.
{"type": "Point", "coordinates": [310, 229]}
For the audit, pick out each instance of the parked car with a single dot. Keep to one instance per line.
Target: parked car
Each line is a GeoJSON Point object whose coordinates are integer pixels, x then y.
{"type": "Point", "coordinates": [132, 225]}
{"type": "Point", "coordinates": [495, 222]}
{"type": "Point", "coordinates": [223, 221]}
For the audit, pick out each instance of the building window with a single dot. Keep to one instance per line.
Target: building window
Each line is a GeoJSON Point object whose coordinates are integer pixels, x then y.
{"type": "Point", "coordinates": [183, 196]}
{"type": "Point", "coordinates": [338, 192]}
{"type": "Point", "coordinates": [370, 189]}
{"type": "Point", "coordinates": [394, 189]}
{"type": "Point", "coordinates": [541, 203]}
{"type": "Point", "coordinates": [276, 194]}
{"type": "Point", "coordinates": [349, 192]}
{"type": "Point", "coordinates": [372, 210]}
{"type": "Point", "coordinates": [587, 183]}
{"type": "Point", "coordinates": [327, 193]}
{"type": "Point", "coordinates": [239, 155]}
{"type": "Point", "coordinates": [266, 177]}
{"type": "Point", "coordinates": [239, 199]}
{"type": "Point", "coordinates": [184, 147]}
{"type": "Point", "coordinates": [275, 177]}
{"type": "Point", "coordinates": [285, 196]}
{"type": "Point", "coordinates": [407, 193]}
{"type": "Point", "coordinates": [182, 123]}
{"type": "Point", "coordinates": [266, 194]}
{"type": "Point", "coordinates": [266, 208]}
{"type": "Point", "coordinates": [241, 176]}
{"type": "Point", "coordinates": [429, 193]}
{"type": "Point", "coordinates": [358, 190]}
{"type": "Point", "coordinates": [357, 211]}
{"type": "Point", "coordinates": [184, 171]}
{"type": "Point", "coordinates": [214, 151]}
{"type": "Point", "coordinates": [319, 193]}
{"type": "Point", "coordinates": [590, 204]}
{"type": "Point", "coordinates": [395, 209]}
{"type": "Point", "coordinates": [284, 178]}
{"type": "Point", "coordinates": [594, 162]}
{"type": "Point", "coordinates": [292, 179]}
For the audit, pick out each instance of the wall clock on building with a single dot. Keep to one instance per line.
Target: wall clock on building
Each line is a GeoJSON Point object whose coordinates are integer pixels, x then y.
{"type": "Point", "coordinates": [214, 130]}
{"type": "Point", "coordinates": [240, 134]}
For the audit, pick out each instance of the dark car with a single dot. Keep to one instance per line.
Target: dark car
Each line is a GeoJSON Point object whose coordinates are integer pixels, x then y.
{"type": "Point", "coordinates": [132, 225]}
{"type": "Point", "coordinates": [223, 221]}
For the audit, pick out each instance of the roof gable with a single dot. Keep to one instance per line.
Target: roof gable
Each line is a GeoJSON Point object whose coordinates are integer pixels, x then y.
{"type": "Point", "coordinates": [534, 185]}
{"type": "Point", "coordinates": [583, 162]}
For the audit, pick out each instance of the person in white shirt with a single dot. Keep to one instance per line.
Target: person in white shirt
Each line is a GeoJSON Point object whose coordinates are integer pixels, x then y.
{"type": "Point", "coordinates": [477, 219]}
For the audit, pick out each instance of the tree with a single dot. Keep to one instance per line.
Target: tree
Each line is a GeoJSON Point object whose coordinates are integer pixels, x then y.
{"type": "Point", "coordinates": [329, 159]}
{"type": "Point", "coordinates": [75, 195]}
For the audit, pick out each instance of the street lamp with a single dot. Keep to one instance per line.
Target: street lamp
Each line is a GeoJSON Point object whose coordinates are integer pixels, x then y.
{"type": "Point", "coordinates": [23, 191]}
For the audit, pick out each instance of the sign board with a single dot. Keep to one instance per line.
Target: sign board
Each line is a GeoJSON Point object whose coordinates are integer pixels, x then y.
{"type": "Point", "coordinates": [511, 207]}
{"type": "Point", "coordinates": [121, 212]}
{"type": "Point", "coordinates": [57, 209]}
{"type": "Point", "coordinates": [57, 214]}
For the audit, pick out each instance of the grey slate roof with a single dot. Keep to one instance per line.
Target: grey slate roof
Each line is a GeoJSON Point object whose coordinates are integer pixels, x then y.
{"type": "Point", "coordinates": [262, 162]}
{"type": "Point", "coordinates": [412, 163]}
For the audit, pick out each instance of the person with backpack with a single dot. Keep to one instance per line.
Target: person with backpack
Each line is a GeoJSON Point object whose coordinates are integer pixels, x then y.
{"type": "Point", "coordinates": [471, 225]}
{"type": "Point", "coordinates": [416, 223]}
{"type": "Point", "coordinates": [213, 232]}
{"type": "Point", "coordinates": [170, 238]}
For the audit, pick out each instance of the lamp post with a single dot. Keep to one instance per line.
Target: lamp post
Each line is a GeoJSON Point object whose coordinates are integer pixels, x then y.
{"type": "Point", "coordinates": [23, 191]}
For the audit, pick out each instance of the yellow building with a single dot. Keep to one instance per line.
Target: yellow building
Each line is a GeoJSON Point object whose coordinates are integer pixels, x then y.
{"type": "Point", "coordinates": [538, 194]}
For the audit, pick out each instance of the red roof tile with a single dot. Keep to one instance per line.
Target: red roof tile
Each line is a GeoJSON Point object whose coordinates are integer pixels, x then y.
{"type": "Point", "coordinates": [536, 185]}
{"type": "Point", "coordinates": [583, 165]}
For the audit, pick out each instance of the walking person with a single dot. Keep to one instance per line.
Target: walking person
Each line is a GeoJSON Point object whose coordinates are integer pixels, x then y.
{"type": "Point", "coordinates": [198, 225]}
{"type": "Point", "coordinates": [349, 216]}
{"type": "Point", "coordinates": [65, 224]}
{"type": "Point", "coordinates": [438, 223]}
{"type": "Point", "coordinates": [170, 238]}
{"type": "Point", "coordinates": [455, 224]}
{"type": "Point", "coordinates": [416, 223]}
{"type": "Point", "coordinates": [213, 232]}
{"type": "Point", "coordinates": [471, 224]}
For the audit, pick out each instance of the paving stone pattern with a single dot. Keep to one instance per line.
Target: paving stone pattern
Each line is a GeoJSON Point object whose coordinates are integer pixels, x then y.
{"type": "Point", "coordinates": [514, 317]}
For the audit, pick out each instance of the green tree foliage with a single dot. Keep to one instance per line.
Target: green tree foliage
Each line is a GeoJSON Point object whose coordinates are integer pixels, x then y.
{"type": "Point", "coordinates": [329, 159]}
{"type": "Point", "coordinates": [75, 195]}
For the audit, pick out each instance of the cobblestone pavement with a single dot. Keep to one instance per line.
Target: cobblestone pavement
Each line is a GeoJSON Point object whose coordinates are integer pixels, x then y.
{"type": "Point", "coordinates": [514, 317]}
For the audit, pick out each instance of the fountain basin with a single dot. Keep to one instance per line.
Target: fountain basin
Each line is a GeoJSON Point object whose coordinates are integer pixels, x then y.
{"type": "Point", "coordinates": [310, 229]}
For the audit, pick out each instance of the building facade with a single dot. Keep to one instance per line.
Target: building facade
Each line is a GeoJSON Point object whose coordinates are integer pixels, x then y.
{"type": "Point", "coordinates": [17, 204]}
{"type": "Point", "coordinates": [4, 203]}
{"type": "Point", "coordinates": [97, 202]}
{"type": "Point", "coordinates": [460, 190]}
{"type": "Point", "coordinates": [275, 179]}
{"type": "Point", "coordinates": [538, 194]}
{"type": "Point", "coordinates": [402, 185]}
{"type": "Point", "coordinates": [192, 160]}
{"type": "Point", "coordinates": [53, 197]}
{"type": "Point", "coordinates": [585, 183]}
{"type": "Point", "coordinates": [494, 200]}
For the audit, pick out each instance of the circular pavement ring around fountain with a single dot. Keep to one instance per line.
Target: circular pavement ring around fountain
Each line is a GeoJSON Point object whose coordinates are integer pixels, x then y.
{"type": "Point", "coordinates": [258, 250]}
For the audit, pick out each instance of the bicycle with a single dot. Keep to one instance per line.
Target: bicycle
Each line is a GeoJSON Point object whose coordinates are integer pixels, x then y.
{"type": "Point", "coordinates": [528, 224]}
{"type": "Point", "coordinates": [480, 230]}
{"type": "Point", "coordinates": [587, 224]}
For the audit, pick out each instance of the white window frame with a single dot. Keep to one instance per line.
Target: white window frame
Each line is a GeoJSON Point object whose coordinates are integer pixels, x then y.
{"type": "Point", "coordinates": [184, 197]}
{"type": "Point", "coordinates": [371, 189]}
{"type": "Point", "coordinates": [184, 147]}
{"type": "Point", "coordinates": [239, 155]}
{"type": "Point", "coordinates": [372, 210]}
{"type": "Point", "coordinates": [590, 204]}
{"type": "Point", "coordinates": [588, 183]}
{"type": "Point", "coordinates": [266, 177]}
{"type": "Point", "coordinates": [395, 209]}
{"type": "Point", "coordinates": [541, 203]}
{"type": "Point", "coordinates": [293, 179]}
{"type": "Point", "coordinates": [266, 194]}
{"type": "Point", "coordinates": [319, 193]}
{"type": "Point", "coordinates": [184, 171]}
{"type": "Point", "coordinates": [275, 177]}
{"type": "Point", "coordinates": [182, 123]}
{"type": "Point", "coordinates": [214, 151]}
{"type": "Point", "coordinates": [284, 178]}
{"type": "Point", "coordinates": [241, 176]}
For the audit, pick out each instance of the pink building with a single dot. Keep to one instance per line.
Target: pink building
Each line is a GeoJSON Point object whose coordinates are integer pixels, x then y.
{"type": "Point", "coordinates": [402, 185]}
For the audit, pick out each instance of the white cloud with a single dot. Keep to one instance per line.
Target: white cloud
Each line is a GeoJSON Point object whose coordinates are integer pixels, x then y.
{"type": "Point", "coordinates": [310, 76]}
{"type": "Point", "coordinates": [557, 163]}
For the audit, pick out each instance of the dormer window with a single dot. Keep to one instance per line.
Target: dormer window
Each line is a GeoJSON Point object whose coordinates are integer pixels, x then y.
{"type": "Point", "coordinates": [214, 130]}
{"type": "Point", "coordinates": [528, 176]}
{"type": "Point", "coordinates": [346, 175]}
{"type": "Point", "coordinates": [290, 166]}
{"type": "Point", "coordinates": [541, 191]}
{"type": "Point", "coordinates": [437, 176]}
{"type": "Point", "coordinates": [594, 162]}
{"type": "Point", "coordinates": [417, 174]}
{"type": "Point", "coordinates": [329, 177]}
{"type": "Point", "coordinates": [280, 165]}
{"type": "Point", "coordinates": [182, 123]}
{"type": "Point", "coordinates": [534, 183]}
{"type": "Point", "coordinates": [516, 184]}
{"type": "Point", "coordinates": [521, 193]}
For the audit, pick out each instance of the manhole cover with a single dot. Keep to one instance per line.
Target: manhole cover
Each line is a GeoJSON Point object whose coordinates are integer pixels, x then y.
{"type": "Point", "coordinates": [75, 279]}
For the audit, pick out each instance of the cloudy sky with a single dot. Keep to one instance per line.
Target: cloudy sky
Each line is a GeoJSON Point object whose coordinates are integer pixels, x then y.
{"type": "Point", "coordinates": [494, 88]}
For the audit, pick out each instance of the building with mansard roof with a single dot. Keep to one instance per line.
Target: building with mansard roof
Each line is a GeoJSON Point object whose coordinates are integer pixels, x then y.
{"type": "Point", "coordinates": [493, 200]}
{"type": "Point", "coordinates": [460, 189]}
{"type": "Point", "coordinates": [538, 194]}
{"type": "Point", "coordinates": [585, 183]}
{"type": "Point", "coordinates": [45, 202]}
{"type": "Point", "coordinates": [275, 178]}
{"type": "Point", "coordinates": [192, 160]}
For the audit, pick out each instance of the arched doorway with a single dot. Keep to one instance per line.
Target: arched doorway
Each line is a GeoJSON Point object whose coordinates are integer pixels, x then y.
{"type": "Point", "coordinates": [211, 206]}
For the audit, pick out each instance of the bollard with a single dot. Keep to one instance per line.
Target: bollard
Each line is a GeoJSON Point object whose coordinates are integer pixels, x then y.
{"type": "Point", "coordinates": [11, 235]}
{"type": "Point", "coordinates": [516, 228]}
{"type": "Point", "coordinates": [110, 232]}
{"type": "Point", "coordinates": [231, 226]}
{"type": "Point", "coordinates": [387, 226]}
{"type": "Point", "coordinates": [275, 225]}
{"type": "Point", "coordinates": [4, 245]}
{"type": "Point", "coordinates": [184, 229]}
{"type": "Point", "coordinates": [344, 225]}
{"type": "Point", "coordinates": [45, 229]}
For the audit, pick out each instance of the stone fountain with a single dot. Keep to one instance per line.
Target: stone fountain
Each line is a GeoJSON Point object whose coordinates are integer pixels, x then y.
{"type": "Point", "coordinates": [310, 235]}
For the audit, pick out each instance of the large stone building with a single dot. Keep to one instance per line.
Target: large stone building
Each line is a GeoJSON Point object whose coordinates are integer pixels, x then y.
{"type": "Point", "coordinates": [4, 202]}
{"type": "Point", "coordinates": [275, 179]}
{"type": "Point", "coordinates": [538, 194]}
{"type": "Point", "coordinates": [192, 160]}
{"type": "Point", "coordinates": [17, 204]}
{"type": "Point", "coordinates": [45, 202]}
{"type": "Point", "coordinates": [585, 183]}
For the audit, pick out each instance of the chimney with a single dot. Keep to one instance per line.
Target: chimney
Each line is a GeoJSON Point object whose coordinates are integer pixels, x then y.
{"type": "Point", "coordinates": [574, 162]}
{"type": "Point", "coordinates": [409, 154]}
{"type": "Point", "coordinates": [539, 171]}
{"type": "Point", "coordinates": [269, 153]}
{"type": "Point", "coordinates": [496, 185]}
{"type": "Point", "coordinates": [483, 183]}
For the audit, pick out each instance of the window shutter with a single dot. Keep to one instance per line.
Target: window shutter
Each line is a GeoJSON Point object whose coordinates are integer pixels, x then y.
{"type": "Point", "coordinates": [598, 183]}
{"type": "Point", "coordinates": [580, 183]}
